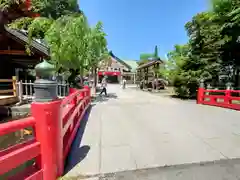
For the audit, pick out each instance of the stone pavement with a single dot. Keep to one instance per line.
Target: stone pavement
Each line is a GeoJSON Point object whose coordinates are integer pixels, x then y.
{"type": "Point", "coordinates": [133, 130]}
{"type": "Point", "coordinates": [220, 170]}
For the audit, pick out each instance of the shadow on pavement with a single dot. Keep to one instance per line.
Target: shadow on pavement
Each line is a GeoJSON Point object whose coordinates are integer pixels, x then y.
{"type": "Point", "coordinates": [103, 98]}
{"type": "Point", "coordinates": [78, 151]}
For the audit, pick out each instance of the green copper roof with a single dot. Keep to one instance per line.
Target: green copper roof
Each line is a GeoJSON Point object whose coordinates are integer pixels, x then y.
{"type": "Point", "coordinates": [132, 63]}
{"type": "Point", "coordinates": [118, 59]}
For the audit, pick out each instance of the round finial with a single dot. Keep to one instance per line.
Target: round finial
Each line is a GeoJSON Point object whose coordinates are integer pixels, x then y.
{"type": "Point", "coordinates": [201, 83]}
{"type": "Point", "coordinates": [229, 85]}
{"type": "Point", "coordinates": [44, 70]}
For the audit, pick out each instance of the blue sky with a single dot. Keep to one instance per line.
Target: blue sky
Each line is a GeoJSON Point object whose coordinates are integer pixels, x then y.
{"type": "Point", "coordinates": [136, 26]}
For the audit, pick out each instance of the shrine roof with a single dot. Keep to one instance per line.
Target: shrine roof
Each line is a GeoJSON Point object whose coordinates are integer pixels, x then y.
{"type": "Point", "coordinates": [20, 35]}
{"type": "Point", "coordinates": [150, 63]}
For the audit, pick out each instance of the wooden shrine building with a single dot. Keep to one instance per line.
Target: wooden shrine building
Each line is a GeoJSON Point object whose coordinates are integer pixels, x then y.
{"type": "Point", "coordinates": [148, 70]}
{"type": "Point", "coordinates": [13, 52]}
{"type": "Point", "coordinates": [13, 42]}
{"type": "Point", "coordinates": [15, 62]}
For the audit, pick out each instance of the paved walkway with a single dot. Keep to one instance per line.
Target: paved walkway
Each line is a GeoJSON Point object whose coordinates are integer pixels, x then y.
{"type": "Point", "coordinates": [135, 130]}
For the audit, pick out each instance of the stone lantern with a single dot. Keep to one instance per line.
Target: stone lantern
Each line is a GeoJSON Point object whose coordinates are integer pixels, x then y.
{"type": "Point", "coordinates": [229, 85]}
{"type": "Point", "coordinates": [45, 87]}
{"type": "Point", "coordinates": [201, 84]}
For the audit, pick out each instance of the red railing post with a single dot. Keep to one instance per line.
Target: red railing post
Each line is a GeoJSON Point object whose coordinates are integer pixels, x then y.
{"type": "Point", "coordinates": [28, 4]}
{"type": "Point", "coordinates": [49, 134]}
{"type": "Point", "coordinates": [46, 110]}
{"type": "Point", "coordinates": [227, 98]}
{"type": "Point", "coordinates": [200, 93]}
{"type": "Point", "coordinates": [71, 91]}
{"type": "Point", "coordinates": [88, 91]}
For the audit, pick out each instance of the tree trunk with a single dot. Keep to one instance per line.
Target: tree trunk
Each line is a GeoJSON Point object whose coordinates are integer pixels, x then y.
{"type": "Point", "coordinates": [95, 76]}
{"type": "Point", "coordinates": [236, 80]}
{"type": "Point", "coordinates": [75, 79]}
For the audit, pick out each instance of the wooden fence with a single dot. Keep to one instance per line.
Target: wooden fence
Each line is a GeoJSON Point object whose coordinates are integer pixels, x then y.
{"type": "Point", "coordinates": [8, 91]}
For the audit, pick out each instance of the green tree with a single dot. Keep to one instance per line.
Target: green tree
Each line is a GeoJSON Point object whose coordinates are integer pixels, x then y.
{"type": "Point", "coordinates": [74, 45]}
{"type": "Point", "coordinates": [145, 56]}
{"type": "Point", "coordinates": [142, 61]}
{"type": "Point", "coordinates": [202, 60]}
{"type": "Point", "coordinates": [156, 52]}
{"type": "Point", "coordinates": [228, 17]}
{"type": "Point", "coordinates": [97, 49]}
{"type": "Point", "coordinates": [54, 9]}
{"type": "Point", "coordinates": [11, 4]}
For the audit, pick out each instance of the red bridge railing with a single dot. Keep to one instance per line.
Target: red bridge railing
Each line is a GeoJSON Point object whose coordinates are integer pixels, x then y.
{"type": "Point", "coordinates": [55, 125]}
{"type": "Point", "coordinates": [222, 98]}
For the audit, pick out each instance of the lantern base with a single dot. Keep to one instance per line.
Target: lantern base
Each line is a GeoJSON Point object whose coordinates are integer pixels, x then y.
{"type": "Point", "coordinates": [45, 90]}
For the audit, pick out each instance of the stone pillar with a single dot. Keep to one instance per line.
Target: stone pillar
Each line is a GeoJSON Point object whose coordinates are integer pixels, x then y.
{"type": "Point", "coordinates": [145, 74]}
{"type": "Point", "coordinates": [158, 67]}
{"type": "Point", "coordinates": [119, 78]}
{"type": "Point", "coordinates": [134, 78]}
{"type": "Point", "coordinates": [201, 85]}
{"type": "Point", "coordinates": [229, 86]}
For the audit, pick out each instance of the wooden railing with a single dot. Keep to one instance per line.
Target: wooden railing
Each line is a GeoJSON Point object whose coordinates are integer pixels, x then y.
{"type": "Point", "coordinates": [9, 82]}
{"type": "Point", "coordinates": [55, 125]}
{"type": "Point", "coordinates": [222, 98]}
{"type": "Point", "coordinates": [16, 155]}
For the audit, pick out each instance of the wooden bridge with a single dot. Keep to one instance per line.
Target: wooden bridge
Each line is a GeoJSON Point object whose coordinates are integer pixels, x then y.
{"type": "Point", "coordinates": [55, 124]}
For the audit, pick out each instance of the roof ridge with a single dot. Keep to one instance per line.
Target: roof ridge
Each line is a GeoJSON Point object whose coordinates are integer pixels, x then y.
{"type": "Point", "coordinates": [119, 60]}
{"type": "Point", "coordinates": [22, 36]}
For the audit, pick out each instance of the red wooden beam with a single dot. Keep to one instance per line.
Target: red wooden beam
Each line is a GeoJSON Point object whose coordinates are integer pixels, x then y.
{"type": "Point", "coordinates": [13, 52]}
{"type": "Point", "coordinates": [14, 126]}
{"type": "Point", "coordinates": [74, 132]}
{"type": "Point", "coordinates": [28, 4]}
{"type": "Point", "coordinates": [15, 147]}
{"type": "Point", "coordinates": [30, 173]}
{"type": "Point", "coordinates": [19, 156]}
{"type": "Point", "coordinates": [28, 7]}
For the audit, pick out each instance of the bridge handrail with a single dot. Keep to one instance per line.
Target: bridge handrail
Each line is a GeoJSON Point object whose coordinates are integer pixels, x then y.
{"type": "Point", "coordinates": [75, 106]}
{"type": "Point", "coordinates": [16, 155]}
{"type": "Point", "coordinates": [52, 136]}
{"type": "Point", "coordinates": [225, 95]}
{"type": "Point", "coordinates": [14, 126]}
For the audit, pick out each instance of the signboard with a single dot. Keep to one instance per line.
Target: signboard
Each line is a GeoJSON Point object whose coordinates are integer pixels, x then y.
{"type": "Point", "coordinates": [109, 73]}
